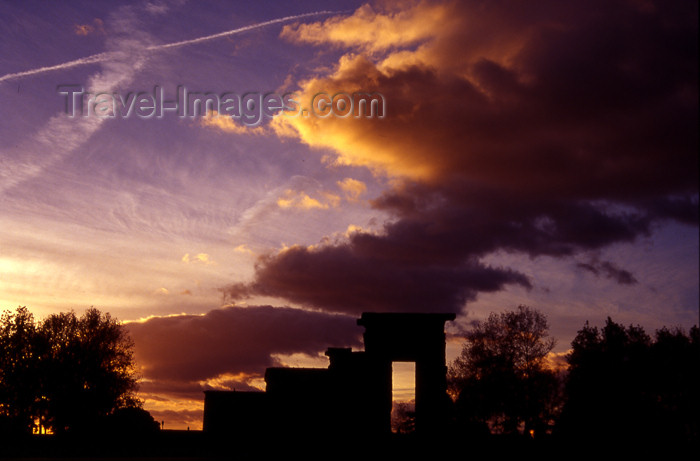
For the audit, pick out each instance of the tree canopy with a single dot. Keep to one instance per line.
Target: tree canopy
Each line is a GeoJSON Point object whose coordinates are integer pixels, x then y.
{"type": "Point", "coordinates": [625, 385]}
{"type": "Point", "coordinates": [65, 373]}
{"type": "Point", "coordinates": [500, 380]}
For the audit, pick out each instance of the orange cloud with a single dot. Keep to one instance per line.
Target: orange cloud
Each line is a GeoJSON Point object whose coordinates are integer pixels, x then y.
{"type": "Point", "coordinates": [509, 126]}
{"type": "Point", "coordinates": [363, 141]}
{"type": "Point", "coordinates": [301, 200]}
{"type": "Point", "coordinates": [489, 96]}
{"type": "Point", "coordinates": [353, 188]}
{"type": "Point", "coordinates": [375, 30]}
{"type": "Point", "coordinates": [243, 248]}
{"type": "Point", "coordinates": [227, 124]}
{"type": "Point", "coordinates": [97, 26]}
{"type": "Point", "coordinates": [203, 258]}
{"type": "Point", "coordinates": [83, 29]}
{"type": "Point", "coordinates": [416, 38]}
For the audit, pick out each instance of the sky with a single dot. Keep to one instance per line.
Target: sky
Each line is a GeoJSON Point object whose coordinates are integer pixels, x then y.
{"type": "Point", "coordinates": [538, 153]}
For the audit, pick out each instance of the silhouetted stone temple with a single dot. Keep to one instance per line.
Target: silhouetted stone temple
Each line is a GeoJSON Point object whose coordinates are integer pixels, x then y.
{"type": "Point", "coordinates": [354, 394]}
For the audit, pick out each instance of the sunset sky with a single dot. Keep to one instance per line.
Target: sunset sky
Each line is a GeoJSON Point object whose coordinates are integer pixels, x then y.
{"type": "Point", "coordinates": [540, 153]}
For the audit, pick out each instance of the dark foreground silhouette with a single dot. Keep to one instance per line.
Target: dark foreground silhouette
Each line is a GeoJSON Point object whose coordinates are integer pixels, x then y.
{"type": "Point", "coordinates": [199, 445]}
{"type": "Point", "coordinates": [624, 393]}
{"type": "Point", "coordinates": [354, 394]}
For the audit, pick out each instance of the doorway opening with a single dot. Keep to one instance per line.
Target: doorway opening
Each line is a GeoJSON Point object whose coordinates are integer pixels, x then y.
{"type": "Point", "coordinates": [403, 397]}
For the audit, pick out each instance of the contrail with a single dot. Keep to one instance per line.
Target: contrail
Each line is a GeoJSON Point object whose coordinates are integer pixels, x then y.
{"type": "Point", "coordinates": [101, 57]}
{"type": "Point", "coordinates": [240, 29]}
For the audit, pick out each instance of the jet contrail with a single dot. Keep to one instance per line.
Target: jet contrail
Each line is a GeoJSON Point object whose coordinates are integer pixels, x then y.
{"type": "Point", "coordinates": [240, 29]}
{"type": "Point", "coordinates": [101, 57]}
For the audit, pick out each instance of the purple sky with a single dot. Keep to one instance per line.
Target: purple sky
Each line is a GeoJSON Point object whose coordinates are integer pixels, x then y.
{"type": "Point", "coordinates": [541, 154]}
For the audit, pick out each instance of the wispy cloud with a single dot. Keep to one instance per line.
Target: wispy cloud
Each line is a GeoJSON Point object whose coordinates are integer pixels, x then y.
{"type": "Point", "coordinates": [202, 258]}
{"type": "Point", "coordinates": [608, 270]}
{"type": "Point", "coordinates": [107, 56]}
{"type": "Point", "coordinates": [229, 125]}
{"type": "Point", "coordinates": [97, 26]}
{"type": "Point", "coordinates": [62, 134]}
{"type": "Point", "coordinates": [353, 188]}
{"type": "Point", "coordinates": [301, 200]}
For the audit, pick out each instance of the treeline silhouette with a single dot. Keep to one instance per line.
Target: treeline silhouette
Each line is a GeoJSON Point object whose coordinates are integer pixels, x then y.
{"type": "Point", "coordinates": [75, 377]}
{"type": "Point", "coordinates": [625, 386]}
{"type": "Point", "coordinates": [619, 385]}
{"type": "Point", "coordinates": [67, 374]}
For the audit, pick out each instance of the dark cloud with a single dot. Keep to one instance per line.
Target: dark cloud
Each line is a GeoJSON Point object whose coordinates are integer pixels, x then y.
{"type": "Point", "coordinates": [345, 279]}
{"type": "Point", "coordinates": [608, 270]}
{"type": "Point", "coordinates": [553, 128]}
{"type": "Point", "coordinates": [465, 221]}
{"type": "Point", "coordinates": [428, 259]}
{"type": "Point", "coordinates": [177, 354]}
{"type": "Point", "coordinates": [682, 209]}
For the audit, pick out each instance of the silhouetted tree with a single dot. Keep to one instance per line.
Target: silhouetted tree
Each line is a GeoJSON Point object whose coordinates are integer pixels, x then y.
{"type": "Point", "coordinates": [19, 370]}
{"type": "Point", "coordinates": [626, 387]}
{"type": "Point", "coordinates": [676, 380]}
{"type": "Point", "coordinates": [500, 379]}
{"type": "Point", "coordinates": [67, 372]}
{"type": "Point", "coordinates": [131, 421]}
